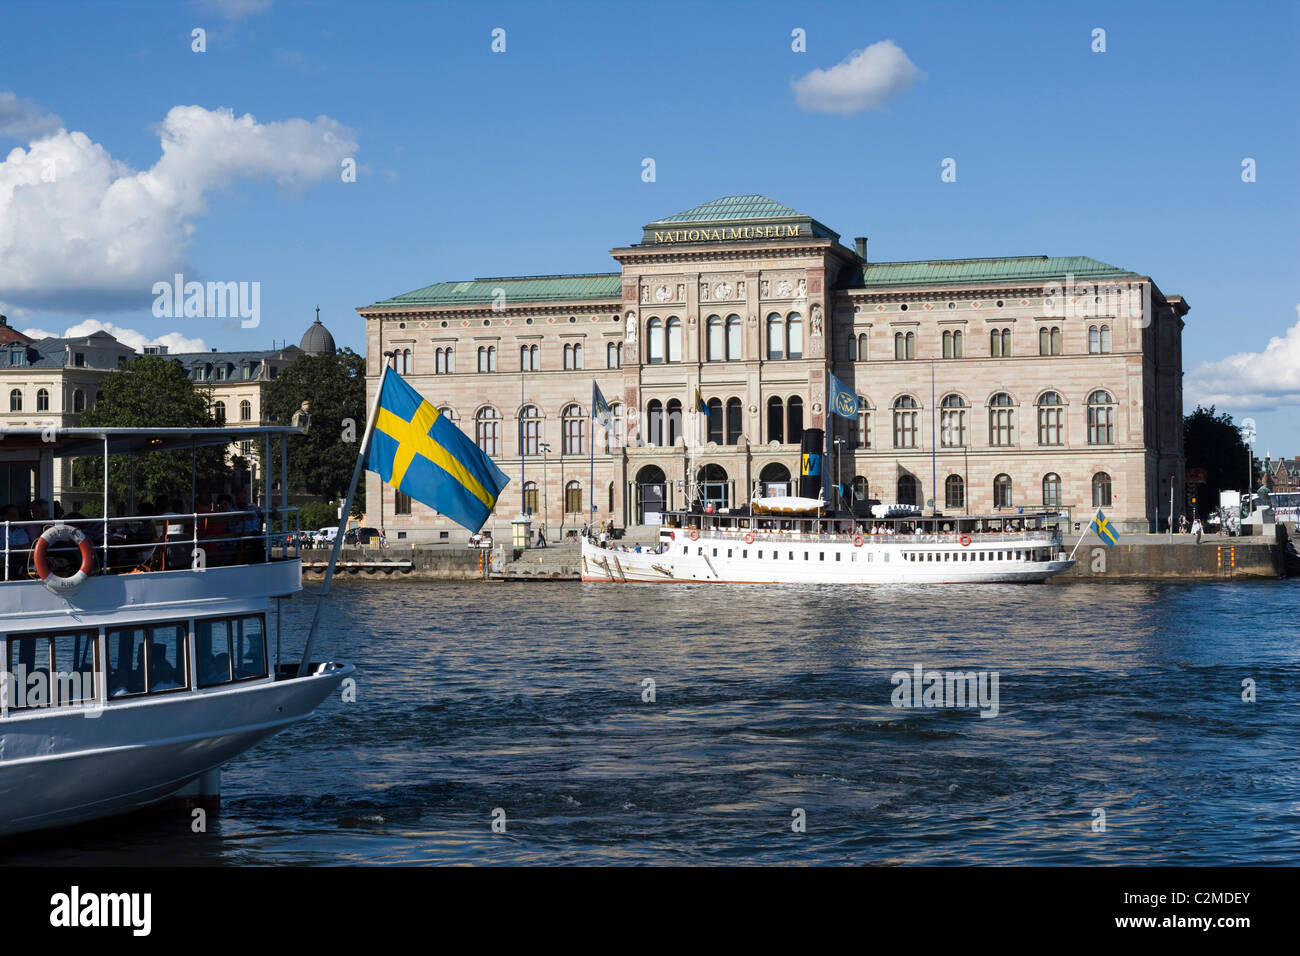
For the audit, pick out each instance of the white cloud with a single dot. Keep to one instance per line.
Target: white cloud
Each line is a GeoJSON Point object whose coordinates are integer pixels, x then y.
{"type": "Point", "coordinates": [174, 341]}
{"type": "Point", "coordinates": [82, 232]}
{"type": "Point", "coordinates": [25, 119]}
{"type": "Point", "coordinates": [867, 80]}
{"type": "Point", "coordinates": [1258, 381]}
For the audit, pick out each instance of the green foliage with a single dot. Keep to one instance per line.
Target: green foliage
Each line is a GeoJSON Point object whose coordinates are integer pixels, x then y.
{"type": "Point", "coordinates": [321, 462]}
{"type": "Point", "coordinates": [151, 392]}
{"type": "Point", "coordinates": [1211, 441]}
{"type": "Point", "coordinates": [318, 514]}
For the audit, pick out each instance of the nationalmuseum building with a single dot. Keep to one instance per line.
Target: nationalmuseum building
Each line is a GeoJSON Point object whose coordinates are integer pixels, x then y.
{"type": "Point", "coordinates": [1034, 380]}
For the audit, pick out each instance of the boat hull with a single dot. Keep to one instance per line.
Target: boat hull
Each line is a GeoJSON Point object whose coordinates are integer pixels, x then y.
{"type": "Point", "coordinates": [735, 561]}
{"type": "Point", "coordinates": [62, 767]}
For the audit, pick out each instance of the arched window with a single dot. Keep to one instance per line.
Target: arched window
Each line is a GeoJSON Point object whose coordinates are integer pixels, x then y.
{"type": "Point", "coordinates": [530, 430]}
{"type": "Point", "coordinates": [862, 346]}
{"type": "Point", "coordinates": [614, 433]}
{"type": "Point", "coordinates": [904, 345]}
{"type": "Point", "coordinates": [487, 431]}
{"type": "Point", "coordinates": [734, 421]}
{"type": "Point", "coordinates": [613, 355]}
{"type": "Point", "coordinates": [1002, 491]}
{"type": "Point", "coordinates": [674, 416]}
{"type": "Point", "coordinates": [906, 412]}
{"type": "Point", "coordinates": [219, 412]}
{"type": "Point", "coordinates": [794, 338]}
{"type": "Point", "coordinates": [1101, 418]}
{"type": "Point", "coordinates": [575, 430]}
{"type": "Point", "coordinates": [482, 358]}
{"type": "Point", "coordinates": [408, 365]}
{"type": "Point", "coordinates": [775, 420]}
{"type": "Point", "coordinates": [952, 422]}
{"type": "Point", "coordinates": [654, 341]}
{"type": "Point", "coordinates": [862, 438]}
{"type": "Point", "coordinates": [654, 420]}
{"type": "Point", "coordinates": [775, 336]}
{"type": "Point", "coordinates": [78, 400]}
{"type": "Point", "coordinates": [440, 361]}
{"type": "Point", "coordinates": [451, 359]}
{"type": "Point", "coordinates": [908, 490]}
{"type": "Point", "coordinates": [448, 413]}
{"type": "Point", "coordinates": [1094, 340]}
{"type": "Point", "coordinates": [952, 343]}
{"type": "Point", "coordinates": [674, 339]}
{"type": "Point", "coordinates": [1105, 339]}
{"type": "Point", "coordinates": [1051, 490]}
{"type": "Point", "coordinates": [573, 497]}
{"type": "Point", "coordinates": [577, 355]}
{"type": "Point", "coordinates": [714, 405]}
{"type": "Point", "coordinates": [16, 400]}
{"type": "Point", "coordinates": [245, 411]}
{"type": "Point", "coordinates": [42, 400]}
{"type": "Point", "coordinates": [1049, 340]}
{"type": "Point", "coordinates": [1051, 419]}
{"type": "Point", "coordinates": [794, 420]}
{"type": "Point", "coordinates": [733, 338]}
{"type": "Point", "coordinates": [954, 492]}
{"type": "Point", "coordinates": [715, 351]}
{"type": "Point", "coordinates": [860, 489]}
{"type": "Point", "coordinates": [1000, 343]}
{"type": "Point", "coordinates": [1101, 490]}
{"type": "Point", "coordinates": [1002, 424]}
{"type": "Point", "coordinates": [530, 497]}
{"type": "Point", "coordinates": [527, 355]}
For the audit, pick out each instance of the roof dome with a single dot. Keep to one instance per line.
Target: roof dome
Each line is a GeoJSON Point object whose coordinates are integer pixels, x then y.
{"type": "Point", "coordinates": [317, 339]}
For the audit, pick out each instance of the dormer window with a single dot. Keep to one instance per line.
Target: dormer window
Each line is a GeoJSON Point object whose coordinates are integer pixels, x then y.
{"type": "Point", "coordinates": [16, 357]}
{"type": "Point", "coordinates": [79, 359]}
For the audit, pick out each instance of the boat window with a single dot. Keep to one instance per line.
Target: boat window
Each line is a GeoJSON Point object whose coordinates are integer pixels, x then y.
{"type": "Point", "coordinates": [728, 552]}
{"type": "Point", "coordinates": [791, 555]}
{"type": "Point", "coordinates": [744, 553]}
{"type": "Point", "coordinates": [51, 670]}
{"type": "Point", "coordinates": [837, 555]}
{"type": "Point", "coordinates": [230, 649]}
{"type": "Point", "coordinates": [821, 555]}
{"type": "Point", "coordinates": [149, 656]}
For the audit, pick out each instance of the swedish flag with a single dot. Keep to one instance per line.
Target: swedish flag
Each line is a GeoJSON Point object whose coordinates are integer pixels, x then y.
{"type": "Point", "coordinates": [1101, 525]}
{"type": "Point", "coordinates": [423, 454]}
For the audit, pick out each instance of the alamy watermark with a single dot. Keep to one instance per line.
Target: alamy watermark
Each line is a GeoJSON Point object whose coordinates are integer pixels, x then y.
{"type": "Point", "coordinates": [922, 688]}
{"type": "Point", "coordinates": [24, 690]}
{"type": "Point", "coordinates": [211, 300]}
{"type": "Point", "coordinates": [1098, 300]}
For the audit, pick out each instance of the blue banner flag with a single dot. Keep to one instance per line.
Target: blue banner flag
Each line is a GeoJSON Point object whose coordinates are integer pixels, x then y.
{"type": "Point", "coordinates": [600, 409]}
{"type": "Point", "coordinates": [1101, 525]}
{"type": "Point", "coordinates": [700, 406]}
{"type": "Point", "coordinates": [843, 400]}
{"type": "Point", "coordinates": [423, 454]}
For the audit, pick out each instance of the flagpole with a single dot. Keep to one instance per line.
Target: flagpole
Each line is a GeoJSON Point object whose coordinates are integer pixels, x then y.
{"type": "Point", "coordinates": [343, 524]}
{"type": "Point", "coordinates": [592, 448]}
{"type": "Point", "coordinates": [1081, 537]}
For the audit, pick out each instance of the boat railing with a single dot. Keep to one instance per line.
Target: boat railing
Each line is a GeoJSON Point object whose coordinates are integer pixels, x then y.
{"type": "Point", "coordinates": [943, 537]}
{"type": "Point", "coordinates": [163, 542]}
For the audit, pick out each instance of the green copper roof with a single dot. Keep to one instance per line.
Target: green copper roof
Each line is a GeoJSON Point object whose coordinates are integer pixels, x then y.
{"type": "Point", "coordinates": [515, 289]}
{"type": "Point", "coordinates": [959, 271]}
{"type": "Point", "coordinates": [735, 209]}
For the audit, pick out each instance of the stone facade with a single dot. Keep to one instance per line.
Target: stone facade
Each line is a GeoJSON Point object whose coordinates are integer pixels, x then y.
{"type": "Point", "coordinates": [1038, 381]}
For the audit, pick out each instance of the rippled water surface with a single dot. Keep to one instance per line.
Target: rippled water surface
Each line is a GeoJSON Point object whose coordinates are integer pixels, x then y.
{"type": "Point", "coordinates": [528, 698]}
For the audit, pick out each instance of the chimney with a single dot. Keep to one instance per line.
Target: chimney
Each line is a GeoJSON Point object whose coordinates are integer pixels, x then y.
{"type": "Point", "coordinates": [860, 244]}
{"type": "Point", "coordinates": [4, 320]}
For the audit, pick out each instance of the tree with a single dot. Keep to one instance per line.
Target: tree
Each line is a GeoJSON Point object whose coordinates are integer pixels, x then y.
{"type": "Point", "coordinates": [152, 392]}
{"type": "Point", "coordinates": [321, 462]}
{"type": "Point", "coordinates": [1211, 441]}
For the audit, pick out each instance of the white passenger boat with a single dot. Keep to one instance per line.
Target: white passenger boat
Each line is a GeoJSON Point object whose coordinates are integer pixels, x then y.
{"type": "Point", "coordinates": [141, 652]}
{"type": "Point", "coordinates": [790, 540]}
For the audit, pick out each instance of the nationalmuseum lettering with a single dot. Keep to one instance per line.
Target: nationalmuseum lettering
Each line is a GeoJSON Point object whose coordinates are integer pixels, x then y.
{"type": "Point", "coordinates": [729, 232]}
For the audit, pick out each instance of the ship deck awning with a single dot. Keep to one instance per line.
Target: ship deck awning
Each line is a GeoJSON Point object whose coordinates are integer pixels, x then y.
{"type": "Point", "coordinates": [74, 442]}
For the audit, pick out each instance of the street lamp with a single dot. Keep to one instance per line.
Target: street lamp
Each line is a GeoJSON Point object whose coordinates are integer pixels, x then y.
{"type": "Point", "coordinates": [1248, 436]}
{"type": "Point", "coordinates": [545, 480]}
{"type": "Point", "coordinates": [839, 471]}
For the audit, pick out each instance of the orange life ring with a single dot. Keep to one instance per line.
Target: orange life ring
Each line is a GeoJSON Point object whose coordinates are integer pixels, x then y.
{"type": "Point", "coordinates": [749, 538]}
{"type": "Point", "coordinates": [965, 540]}
{"type": "Point", "coordinates": [53, 582]}
{"type": "Point", "coordinates": [857, 541]}
{"type": "Point", "coordinates": [694, 535]}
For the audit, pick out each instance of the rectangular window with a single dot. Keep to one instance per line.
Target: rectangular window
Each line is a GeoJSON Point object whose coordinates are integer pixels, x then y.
{"type": "Point", "coordinates": [52, 670]}
{"type": "Point", "coordinates": [401, 503]}
{"type": "Point", "coordinates": [149, 657]}
{"type": "Point", "coordinates": [230, 649]}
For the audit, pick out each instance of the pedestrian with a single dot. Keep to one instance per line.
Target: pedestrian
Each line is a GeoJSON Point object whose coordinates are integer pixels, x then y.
{"type": "Point", "coordinates": [541, 537]}
{"type": "Point", "coordinates": [603, 537]}
{"type": "Point", "coordinates": [1196, 529]}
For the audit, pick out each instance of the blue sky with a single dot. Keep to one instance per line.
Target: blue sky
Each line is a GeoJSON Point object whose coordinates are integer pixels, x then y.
{"type": "Point", "coordinates": [475, 163]}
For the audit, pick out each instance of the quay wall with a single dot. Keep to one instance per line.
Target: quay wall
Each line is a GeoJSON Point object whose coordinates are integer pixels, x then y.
{"type": "Point", "coordinates": [1135, 558]}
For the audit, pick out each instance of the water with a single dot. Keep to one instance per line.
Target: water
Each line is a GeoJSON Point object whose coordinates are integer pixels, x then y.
{"type": "Point", "coordinates": [528, 698]}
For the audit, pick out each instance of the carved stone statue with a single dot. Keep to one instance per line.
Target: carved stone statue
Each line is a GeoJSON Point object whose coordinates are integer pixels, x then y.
{"type": "Point", "coordinates": [630, 336]}
{"type": "Point", "coordinates": [704, 292]}
{"type": "Point", "coordinates": [762, 288]}
{"type": "Point", "coordinates": [645, 293]}
{"type": "Point", "coordinates": [816, 320]}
